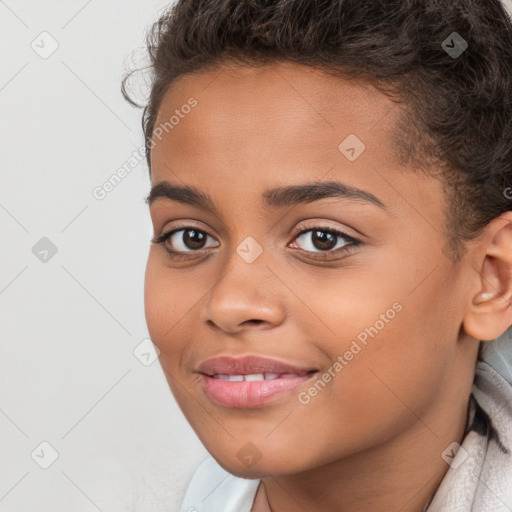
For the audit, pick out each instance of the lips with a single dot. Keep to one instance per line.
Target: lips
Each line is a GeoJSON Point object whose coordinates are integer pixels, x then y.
{"type": "Point", "coordinates": [250, 381]}
{"type": "Point", "coordinates": [228, 366]}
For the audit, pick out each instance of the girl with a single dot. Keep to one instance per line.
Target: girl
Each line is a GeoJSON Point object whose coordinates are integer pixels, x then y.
{"type": "Point", "coordinates": [330, 278]}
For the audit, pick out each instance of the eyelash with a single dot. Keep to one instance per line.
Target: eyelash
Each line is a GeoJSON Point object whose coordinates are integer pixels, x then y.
{"type": "Point", "coordinates": [353, 243]}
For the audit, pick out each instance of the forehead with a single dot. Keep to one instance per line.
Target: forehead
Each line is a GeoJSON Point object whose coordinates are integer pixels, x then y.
{"type": "Point", "coordinates": [249, 113]}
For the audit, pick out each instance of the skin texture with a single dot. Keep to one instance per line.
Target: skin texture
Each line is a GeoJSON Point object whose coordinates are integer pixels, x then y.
{"type": "Point", "coordinates": [372, 439]}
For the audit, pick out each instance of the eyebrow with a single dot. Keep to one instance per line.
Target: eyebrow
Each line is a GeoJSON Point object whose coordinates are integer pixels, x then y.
{"type": "Point", "coordinates": [277, 198]}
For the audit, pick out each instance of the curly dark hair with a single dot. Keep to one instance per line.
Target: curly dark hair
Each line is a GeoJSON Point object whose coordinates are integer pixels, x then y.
{"type": "Point", "coordinates": [456, 120]}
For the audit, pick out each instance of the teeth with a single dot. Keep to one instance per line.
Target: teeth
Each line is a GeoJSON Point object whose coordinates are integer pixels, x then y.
{"type": "Point", "coordinates": [231, 378]}
{"type": "Point", "coordinates": [255, 377]}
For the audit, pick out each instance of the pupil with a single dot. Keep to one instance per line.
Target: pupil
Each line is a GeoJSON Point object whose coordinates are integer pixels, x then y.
{"type": "Point", "coordinates": [195, 241]}
{"type": "Point", "coordinates": [324, 240]}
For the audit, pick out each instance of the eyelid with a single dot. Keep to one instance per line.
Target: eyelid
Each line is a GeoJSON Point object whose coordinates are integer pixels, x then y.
{"type": "Point", "coordinates": [319, 224]}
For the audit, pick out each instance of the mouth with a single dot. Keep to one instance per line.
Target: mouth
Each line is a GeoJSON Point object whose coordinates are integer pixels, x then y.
{"type": "Point", "coordinates": [250, 381]}
{"type": "Point", "coordinates": [252, 390]}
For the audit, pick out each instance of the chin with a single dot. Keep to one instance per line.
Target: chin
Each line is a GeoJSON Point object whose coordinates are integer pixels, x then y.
{"type": "Point", "coordinates": [243, 472]}
{"type": "Point", "coordinates": [255, 470]}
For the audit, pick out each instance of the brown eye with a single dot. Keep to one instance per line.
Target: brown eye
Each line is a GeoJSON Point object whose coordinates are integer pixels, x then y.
{"type": "Point", "coordinates": [323, 240]}
{"type": "Point", "coordinates": [193, 239]}
{"type": "Point", "coordinates": [318, 239]}
{"type": "Point", "coordinates": [183, 240]}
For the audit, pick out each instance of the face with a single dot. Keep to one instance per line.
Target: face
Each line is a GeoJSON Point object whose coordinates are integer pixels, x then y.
{"type": "Point", "coordinates": [349, 285]}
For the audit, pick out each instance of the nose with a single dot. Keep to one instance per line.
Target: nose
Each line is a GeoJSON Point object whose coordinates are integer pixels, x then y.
{"type": "Point", "coordinates": [246, 296]}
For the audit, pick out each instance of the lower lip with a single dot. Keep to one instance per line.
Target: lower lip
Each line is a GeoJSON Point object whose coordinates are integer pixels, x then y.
{"type": "Point", "coordinates": [247, 394]}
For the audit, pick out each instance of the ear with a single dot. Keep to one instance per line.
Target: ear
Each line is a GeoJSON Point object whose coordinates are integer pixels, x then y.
{"type": "Point", "coordinates": [489, 311]}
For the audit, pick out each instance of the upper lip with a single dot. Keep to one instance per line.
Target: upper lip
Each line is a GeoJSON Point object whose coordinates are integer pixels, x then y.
{"type": "Point", "coordinates": [246, 365]}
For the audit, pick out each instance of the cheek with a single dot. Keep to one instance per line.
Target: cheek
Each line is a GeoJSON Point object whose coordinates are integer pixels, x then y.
{"type": "Point", "coordinates": [381, 390]}
{"type": "Point", "coordinates": [155, 300]}
{"type": "Point", "coordinates": [164, 305]}
{"type": "Point", "coordinates": [170, 306]}
{"type": "Point", "coordinates": [395, 350]}
{"type": "Point", "coordinates": [163, 310]}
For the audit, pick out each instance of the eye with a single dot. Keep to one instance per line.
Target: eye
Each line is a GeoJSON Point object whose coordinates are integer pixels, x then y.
{"type": "Point", "coordinates": [185, 239]}
{"type": "Point", "coordinates": [323, 239]}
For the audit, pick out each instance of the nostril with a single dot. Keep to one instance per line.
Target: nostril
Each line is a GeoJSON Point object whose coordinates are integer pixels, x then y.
{"type": "Point", "coordinates": [257, 322]}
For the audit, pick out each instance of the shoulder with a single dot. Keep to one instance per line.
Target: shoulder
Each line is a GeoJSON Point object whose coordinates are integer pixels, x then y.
{"type": "Point", "coordinates": [213, 489]}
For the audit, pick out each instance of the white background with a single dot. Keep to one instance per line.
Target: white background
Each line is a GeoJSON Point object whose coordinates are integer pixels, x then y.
{"type": "Point", "coordinates": [69, 325]}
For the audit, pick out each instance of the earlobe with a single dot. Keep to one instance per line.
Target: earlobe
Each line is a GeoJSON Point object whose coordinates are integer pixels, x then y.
{"type": "Point", "coordinates": [482, 297]}
{"type": "Point", "coordinates": [489, 313]}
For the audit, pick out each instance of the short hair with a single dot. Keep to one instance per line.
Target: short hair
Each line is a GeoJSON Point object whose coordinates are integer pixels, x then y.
{"type": "Point", "coordinates": [455, 118]}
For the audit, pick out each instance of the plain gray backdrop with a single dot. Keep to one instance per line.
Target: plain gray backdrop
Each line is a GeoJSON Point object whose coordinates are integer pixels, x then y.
{"type": "Point", "coordinates": [72, 271]}
{"type": "Point", "coordinates": [87, 420]}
